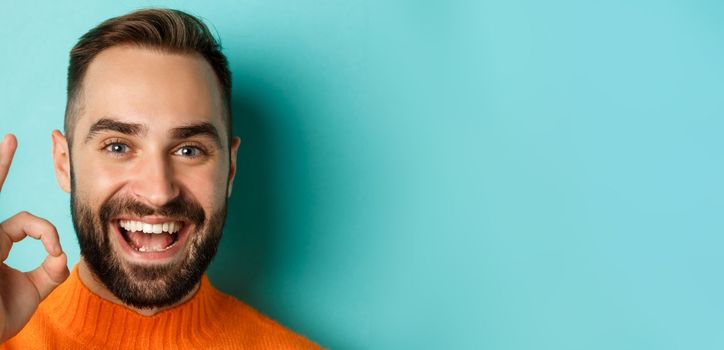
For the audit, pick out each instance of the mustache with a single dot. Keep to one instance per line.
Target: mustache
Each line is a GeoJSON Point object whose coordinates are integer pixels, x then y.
{"type": "Point", "coordinates": [179, 207]}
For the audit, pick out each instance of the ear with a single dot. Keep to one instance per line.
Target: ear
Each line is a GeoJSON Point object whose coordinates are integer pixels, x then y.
{"type": "Point", "coordinates": [61, 160]}
{"type": "Point", "coordinates": [235, 141]}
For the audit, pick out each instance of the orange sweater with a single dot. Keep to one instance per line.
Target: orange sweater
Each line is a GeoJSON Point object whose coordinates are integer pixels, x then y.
{"type": "Point", "coordinates": [72, 317]}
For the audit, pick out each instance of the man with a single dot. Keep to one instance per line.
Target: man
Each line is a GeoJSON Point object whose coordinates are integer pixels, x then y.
{"type": "Point", "coordinates": [149, 161]}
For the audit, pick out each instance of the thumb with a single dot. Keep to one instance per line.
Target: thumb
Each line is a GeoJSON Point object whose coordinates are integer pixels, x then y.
{"type": "Point", "coordinates": [52, 272]}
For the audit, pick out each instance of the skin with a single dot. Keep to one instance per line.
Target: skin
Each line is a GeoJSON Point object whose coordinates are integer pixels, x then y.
{"type": "Point", "coordinates": [158, 91]}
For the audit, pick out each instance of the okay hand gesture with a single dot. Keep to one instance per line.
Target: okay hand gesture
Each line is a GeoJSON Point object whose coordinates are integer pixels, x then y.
{"type": "Point", "coordinates": [21, 292]}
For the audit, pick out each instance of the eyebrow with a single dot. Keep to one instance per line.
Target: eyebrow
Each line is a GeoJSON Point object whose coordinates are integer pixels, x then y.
{"type": "Point", "coordinates": [134, 129]}
{"type": "Point", "coordinates": [108, 124]}
{"type": "Point", "coordinates": [203, 128]}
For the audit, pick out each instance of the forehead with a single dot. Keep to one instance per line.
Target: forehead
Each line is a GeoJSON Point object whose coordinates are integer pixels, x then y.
{"type": "Point", "coordinates": [146, 86]}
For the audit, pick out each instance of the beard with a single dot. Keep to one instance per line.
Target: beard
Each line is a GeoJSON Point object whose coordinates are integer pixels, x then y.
{"type": "Point", "coordinates": [141, 285]}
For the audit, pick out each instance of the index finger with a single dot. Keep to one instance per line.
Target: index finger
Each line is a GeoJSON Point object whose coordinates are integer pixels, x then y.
{"type": "Point", "coordinates": [25, 224]}
{"type": "Point", "coordinates": [7, 151]}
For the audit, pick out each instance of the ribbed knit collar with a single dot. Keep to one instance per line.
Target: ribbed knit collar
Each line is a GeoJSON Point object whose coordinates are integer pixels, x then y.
{"type": "Point", "coordinates": [94, 320]}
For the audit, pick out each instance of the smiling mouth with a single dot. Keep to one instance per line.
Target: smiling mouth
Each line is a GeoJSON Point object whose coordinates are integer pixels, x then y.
{"type": "Point", "coordinates": [150, 238]}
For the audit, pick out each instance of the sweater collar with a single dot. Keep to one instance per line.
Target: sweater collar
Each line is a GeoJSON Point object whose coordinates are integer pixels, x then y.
{"type": "Point", "coordinates": [92, 319]}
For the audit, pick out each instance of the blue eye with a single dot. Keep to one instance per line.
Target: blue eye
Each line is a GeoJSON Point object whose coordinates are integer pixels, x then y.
{"type": "Point", "coordinates": [117, 148]}
{"type": "Point", "coordinates": [189, 151]}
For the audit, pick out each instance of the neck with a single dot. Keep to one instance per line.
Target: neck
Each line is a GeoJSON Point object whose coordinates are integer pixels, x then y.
{"type": "Point", "coordinates": [91, 281]}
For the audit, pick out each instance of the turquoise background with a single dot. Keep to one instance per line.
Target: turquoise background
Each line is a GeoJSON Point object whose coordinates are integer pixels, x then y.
{"type": "Point", "coordinates": [441, 174]}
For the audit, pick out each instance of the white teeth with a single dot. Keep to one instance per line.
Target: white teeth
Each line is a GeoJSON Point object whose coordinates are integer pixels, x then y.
{"type": "Point", "coordinates": [134, 226]}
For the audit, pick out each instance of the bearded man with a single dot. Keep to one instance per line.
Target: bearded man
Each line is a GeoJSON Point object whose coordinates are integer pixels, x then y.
{"type": "Point", "coordinates": [149, 160]}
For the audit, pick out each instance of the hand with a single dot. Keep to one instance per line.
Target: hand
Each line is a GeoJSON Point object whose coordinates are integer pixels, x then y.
{"type": "Point", "coordinates": [21, 292]}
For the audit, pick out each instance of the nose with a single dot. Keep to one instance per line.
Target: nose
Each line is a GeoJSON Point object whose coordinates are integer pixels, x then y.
{"type": "Point", "coordinates": [154, 183]}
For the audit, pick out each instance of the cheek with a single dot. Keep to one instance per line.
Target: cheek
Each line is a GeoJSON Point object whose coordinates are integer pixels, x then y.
{"type": "Point", "coordinates": [206, 184]}
{"type": "Point", "coordinates": [94, 180]}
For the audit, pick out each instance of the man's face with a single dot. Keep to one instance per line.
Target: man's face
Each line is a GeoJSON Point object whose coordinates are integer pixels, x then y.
{"type": "Point", "coordinates": [151, 172]}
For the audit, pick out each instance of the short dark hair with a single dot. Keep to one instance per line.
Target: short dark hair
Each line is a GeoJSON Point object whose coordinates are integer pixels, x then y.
{"type": "Point", "coordinates": [166, 30]}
